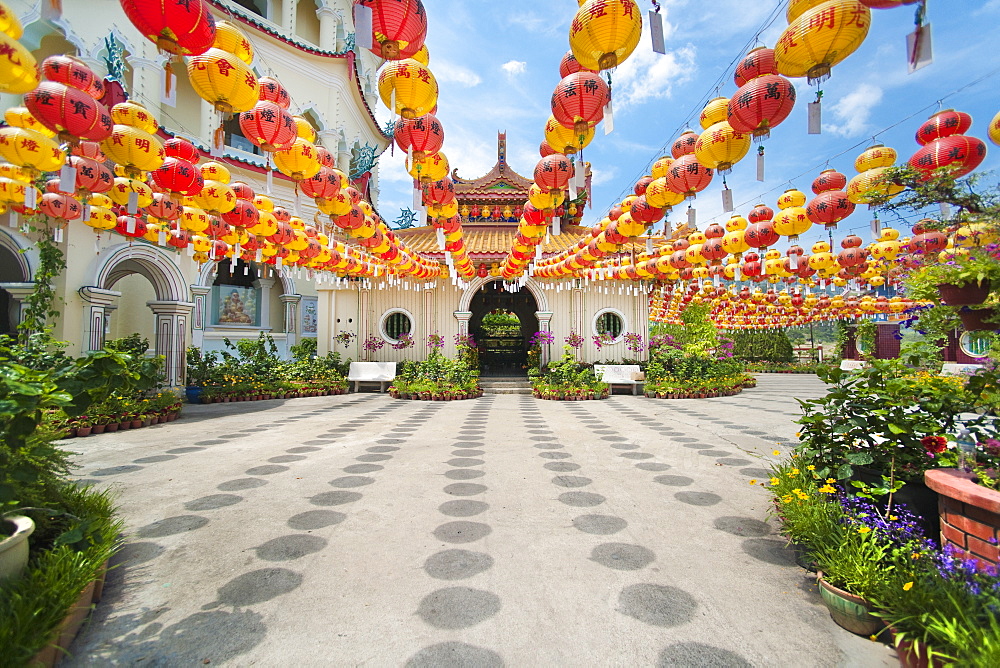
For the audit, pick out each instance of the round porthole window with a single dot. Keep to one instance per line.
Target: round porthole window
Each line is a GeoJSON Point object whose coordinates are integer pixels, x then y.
{"type": "Point", "coordinates": [975, 344]}
{"type": "Point", "coordinates": [609, 323]}
{"type": "Point", "coordinates": [395, 323]}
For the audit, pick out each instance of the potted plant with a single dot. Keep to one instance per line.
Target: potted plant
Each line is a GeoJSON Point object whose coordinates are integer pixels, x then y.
{"type": "Point", "coordinates": [14, 533]}
{"type": "Point", "coordinates": [84, 427]}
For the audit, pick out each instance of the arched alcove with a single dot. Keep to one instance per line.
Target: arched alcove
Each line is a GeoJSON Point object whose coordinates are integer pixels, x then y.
{"type": "Point", "coordinates": [502, 351]}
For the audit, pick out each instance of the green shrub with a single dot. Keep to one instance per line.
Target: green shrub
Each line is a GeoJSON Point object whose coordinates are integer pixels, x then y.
{"type": "Point", "coordinates": [762, 345]}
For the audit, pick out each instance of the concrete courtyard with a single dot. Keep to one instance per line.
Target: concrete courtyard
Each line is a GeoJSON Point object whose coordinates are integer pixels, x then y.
{"type": "Point", "coordinates": [360, 530]}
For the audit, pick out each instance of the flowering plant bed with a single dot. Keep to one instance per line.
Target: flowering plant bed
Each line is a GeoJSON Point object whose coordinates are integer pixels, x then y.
{"type": "Point", "coordinates": [560, 393]}
{"type": "Point", "coordinates": [566, 379]}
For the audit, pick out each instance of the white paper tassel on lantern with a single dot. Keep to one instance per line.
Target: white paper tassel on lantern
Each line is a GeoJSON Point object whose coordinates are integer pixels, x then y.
{"type": "Point", "coordinates": [30, 197]}
{"type": "Point", "coordinates": [362, 26]}
{"type": "Point", "coordinates": [67, 179]}
{"type": "Point", "coordinates": [609, 118]}
{"type": "Point", "coordinates": [656, 32]}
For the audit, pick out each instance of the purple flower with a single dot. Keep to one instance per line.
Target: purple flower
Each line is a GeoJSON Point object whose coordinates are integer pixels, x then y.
{"type": "Point", "coordinates": [435, 341]}
{"type": "Point", "coordinates": [575, 340]}
{"type": "Point", "coordinates": [540, 337]}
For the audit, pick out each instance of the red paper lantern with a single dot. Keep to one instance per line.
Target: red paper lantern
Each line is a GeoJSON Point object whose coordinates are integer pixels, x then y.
{"type": "Point", "coordinates": [180, 27]}
{"type": "Point", "coordinates": [72, 72]}
{"type": "Point", "coordinates": [761, 104]}
{"type": "Point", "coordinates": [244, 214]}
{"type": "Point", "coordinates": [439, 192]}
{"type": "Point", "coordinates": [760, 213]}
{"type": "Point", "coordinates": [642, 184]}
{"type": "Point", "coordinates": [179, 238]}
{"type": "Point", "coordinates": [351, 220]}
{"type": "Point", "coordinates": [553, 172]}
{"type": "Point", "coordinates": [131, 226]}
{"type": "Point", "coordinates": [242, 190]}
{"type": "Point", "coordinates": [544, 149]}
{"type": "Point", "coordinates": [943, 124]}
{"type": "Point", "coordinates": [424, 135]}
{"type": "Point", "coordinates": [578, 101]}
{"type": "Point", "coordinates": [761, 235]}
{"type": "Point", "coordinates": [270, 89]}
{"type": "Point", "coordinates": [91, 175]}
{"type": "Point", "coordinates": [829, 208]}
{"type": "Point", "coordinates": [60, 206]}
{"type": "Point", "coordinates": [533, 216]}
{"type": "Point", "coordinates": [268, 126]}
{"type": "Point", "coordinates": [177, 175]}
{"type": "Point", "coordinates": [284, 235]}
{"type": "Point", "coordinates": [181, 148]}
{"type": "Point", "coordinates": [829, 179]}
{"type": "Point", "coordinates": [324, 185]}
{"type": "Point", "coordinates": [758, 63]}
{"type": "Point", "coordinates": [684, 145]}
{"type": "Point", "coordinates": [569, 65]}
{"type": "Point", "coordinates": [399, 27]}
{"type": "Point", "coordinates": [644, 212]}
{"type": "Point", "coordinates": [163, 207]}
{"type": "Point", "coordinates": [688, 176]}
{"type": "Point", "coordinates": [961, 153]}
{"type": "Point", "coordinates": [68, 111]}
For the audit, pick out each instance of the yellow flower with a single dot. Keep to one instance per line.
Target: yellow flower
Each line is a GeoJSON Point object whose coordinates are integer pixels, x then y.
{"type": "Point", "coordinates": [787, 498]}
{"type": "Point", "coordinates": [753, 482]}
{"type": "Point", "coordinates": [795, 472]}
{"type": "Point", "coordinates": [774, 481]}
{"type": "Point", "coordinates": [830, 481]}
{"type": "Point", "coordinates": [811, 467]}
{"type": "Point", "coordinates": [803, 496]}
{"type": "Point", "coordinates": [776, 453]}
{"type": "Point", "coordinates": [864, 530]}
{"type": "Point", "coordinates": [908, 586]}
{"type": "Point", "coordinates": [828, 489]}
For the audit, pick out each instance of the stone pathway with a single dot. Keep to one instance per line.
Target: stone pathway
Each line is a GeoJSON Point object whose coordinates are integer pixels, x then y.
{"type": "Point", "coordinates": [362, 530]}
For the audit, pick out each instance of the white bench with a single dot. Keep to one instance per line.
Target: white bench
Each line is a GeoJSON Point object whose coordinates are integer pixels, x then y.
{"type": "Point", "coordinates": [619, 374]}
{"type": "Point", "coordinates": [852, 365]}
{"type": "Point", "coordinates": [382, 373]}
{"type": "Point", "coordinates": [955, 369]}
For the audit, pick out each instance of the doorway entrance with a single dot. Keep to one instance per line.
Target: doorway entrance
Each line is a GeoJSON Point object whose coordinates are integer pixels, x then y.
{"type": "Point", "coordinates": [502, 323]}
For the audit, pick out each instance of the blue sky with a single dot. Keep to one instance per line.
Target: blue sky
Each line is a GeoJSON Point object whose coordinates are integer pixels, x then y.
{"type": "Point", "coordinates": [497, 63]}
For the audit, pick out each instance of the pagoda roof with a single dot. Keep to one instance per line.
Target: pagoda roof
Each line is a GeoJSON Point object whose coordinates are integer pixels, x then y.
{"type": "Point", "coordinates": [501, 182]}
{"type": "Point", "coordinates": [489, 239]}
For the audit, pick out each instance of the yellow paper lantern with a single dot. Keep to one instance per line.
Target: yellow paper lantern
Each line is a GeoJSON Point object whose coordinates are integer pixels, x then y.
{"type": "Point", "coordinates": [797, 7]}
{"type": "Point", "coordinates": [415, 88]}
{"type": "Point", "coordinates": [716, 111]}
{"type": "Point", "coordinates": [134, 114]}
{"type": "Point", "coordinates": [299, 161]}
{"type": "Point", "coordinates": [791, 197]}
{"type": "Point", "coordinates": [10, 25]}
{"type": "Point", "coordinates": [304, 129]}
{"type": "Point", "coordinates": [433, 167]}
{"type": "Point", "coordinates": [720, 147]}
{"type": "Point", "coordinates": [221, 78]}
{"type": "Point", "coordinates": [605, 32]}
{"type": "Point", "coordinates": [123, 189]}
{"type": "Point", "coordinates": [821, 37]}
{"type": "Point", "coordinates": [230, 38]}
{"type": "Point", "coordinates": [870, 184]}
{"type": "Point", "coordinates": [214, 171]}
{"type": "Point", "coordinates": [216, 196]}
{"type": "Point", "coordinates": [20, 117]}
{"type": "Point", "coordinates": [266, 224]}
{"type": "Point", "coordinates": [566, 140]}
{"type": "Point", "coordinates": [18, 68]}
{"type": "Point", "coordinates": [994, 129]}
{"type": "Point", "coordinates": [194, 220]}
{"type": "Point", "coordinates": [134, 149]}
{"type": "Point", "coordinates": [101, 218]}
{"type": "Point", "coordinates": [422, 56]}
{"type": "Point", "coordinates": [874, 157]}
{"type": "Point", "coordinates": [30, 149]}
{"type": "Point", "coordinates": [661, 167]}
{"type": "Point", "coordinates": [10, 171]}
{"type": "Point", "coordinates": [658, 194]}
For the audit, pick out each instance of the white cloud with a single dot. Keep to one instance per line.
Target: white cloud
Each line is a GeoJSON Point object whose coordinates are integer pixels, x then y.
{"type": "Point", "coordinates": [600, 176]}
{"type": "Point", "coordinates": [648, 76]}
{"type": "Point", "coordinates": [514, 67]}
{"type": "Point", "coordinates": [853, 111]}
{"type": "Point", "coordinates": [446, 72]}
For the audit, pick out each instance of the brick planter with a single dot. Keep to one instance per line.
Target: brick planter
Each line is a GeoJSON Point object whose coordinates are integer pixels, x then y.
{"type": "Point", "coordinates": [970, 514]}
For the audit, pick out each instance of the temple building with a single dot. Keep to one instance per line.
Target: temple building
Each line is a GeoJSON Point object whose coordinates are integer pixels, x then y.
{"type": "Point", "coordinates": [490, 210]}
{"type": "Point", "coordinates": [114, 286]}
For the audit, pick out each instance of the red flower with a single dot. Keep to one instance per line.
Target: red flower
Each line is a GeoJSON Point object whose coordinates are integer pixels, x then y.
{"type": "Point", "coordinates": [934, 444]}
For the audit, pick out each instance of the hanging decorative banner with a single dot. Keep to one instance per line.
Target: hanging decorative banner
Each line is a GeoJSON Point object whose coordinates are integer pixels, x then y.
{"type": "Point", "coordinates": [649, 245]}
{"type": "Point", "coordinates": [945, 209]}
{"type": "Point", "coordinates": [692, 217]}
{"type": "Point", "coordinates": [556, 226]}
{"type": "Point", "coordinates": [656, 30]}
{"type": "Point", "coordinates": [918, 48]}
{"type": "Point", "coordinates": [876, 228]}
{"type": "Point", "coordinates": [760, 162]}
{"type": "Point", "coordinates": [67, 178]}
{"type": "Point", "coordinates": [727, 200]}
{"type": "Point", "coordinates": [815, 117]}
{"type": "Point", "coordinates": [609, 119]}
{"type": "Point", "coordinates": [362, 26]}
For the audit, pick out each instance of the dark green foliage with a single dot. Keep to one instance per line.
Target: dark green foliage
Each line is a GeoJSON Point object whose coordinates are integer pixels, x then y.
{"type": "Point", "coordinates": [762, 345]}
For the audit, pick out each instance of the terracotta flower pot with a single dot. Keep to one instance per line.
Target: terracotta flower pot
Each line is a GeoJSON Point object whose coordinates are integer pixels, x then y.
{"type": "Point", "coordinates": [849, 611]}
{"type": "Point", "coordinates": [914, 654]}
{"type": "Point", "coordinates": [84, 431]}
{"type": "Point", "coordinates": [111, 427]}
{"type": "Point", "coordinates": [98, 428]}
{"type": "Point", "coordinates": [136, 424]}
{"type": "Point", "coordinates": [969, 294]}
